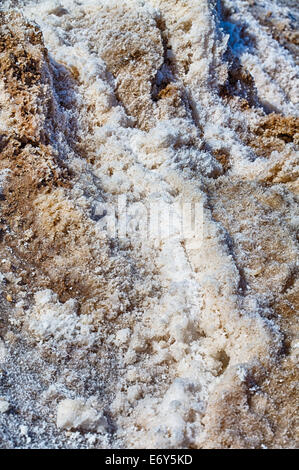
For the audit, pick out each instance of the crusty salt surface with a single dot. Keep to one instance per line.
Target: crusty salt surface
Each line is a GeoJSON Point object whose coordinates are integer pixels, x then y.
{"type": "Point", "coordinates": [148, 341]}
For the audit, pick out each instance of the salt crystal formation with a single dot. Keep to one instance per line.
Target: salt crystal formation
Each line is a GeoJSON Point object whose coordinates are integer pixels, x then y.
{"type": "Point", "coordinates": [110, 342]}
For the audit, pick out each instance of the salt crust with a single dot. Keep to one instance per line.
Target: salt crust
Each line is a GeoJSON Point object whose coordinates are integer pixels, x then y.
{"type": "Point", "coordinates": [180, 347]}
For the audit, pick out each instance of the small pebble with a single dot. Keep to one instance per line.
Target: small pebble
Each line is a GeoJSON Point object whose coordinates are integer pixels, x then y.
{"type": "Point", "coordinates": [4, 405]}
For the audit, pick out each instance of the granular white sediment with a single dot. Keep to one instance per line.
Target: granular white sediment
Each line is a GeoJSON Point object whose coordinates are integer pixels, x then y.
{"type": "Point", "coordinates": [129, 342]}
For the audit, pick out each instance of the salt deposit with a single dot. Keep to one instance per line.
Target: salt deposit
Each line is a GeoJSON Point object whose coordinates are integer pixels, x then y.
{"type": "Point", "coordinates": [115, 331]}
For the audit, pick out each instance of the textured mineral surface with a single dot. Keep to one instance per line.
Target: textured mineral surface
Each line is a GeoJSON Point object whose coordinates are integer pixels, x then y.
{"type": "Point", "coordinates": [113, 339]}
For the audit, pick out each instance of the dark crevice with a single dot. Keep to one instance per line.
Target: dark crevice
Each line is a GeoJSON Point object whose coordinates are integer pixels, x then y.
{"type": "Point", "coordinates": [239, 83]}
{"type": "Point", "coordinates": [224, 359]}
{"type": "Point", "coordinates": [164, 75]}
